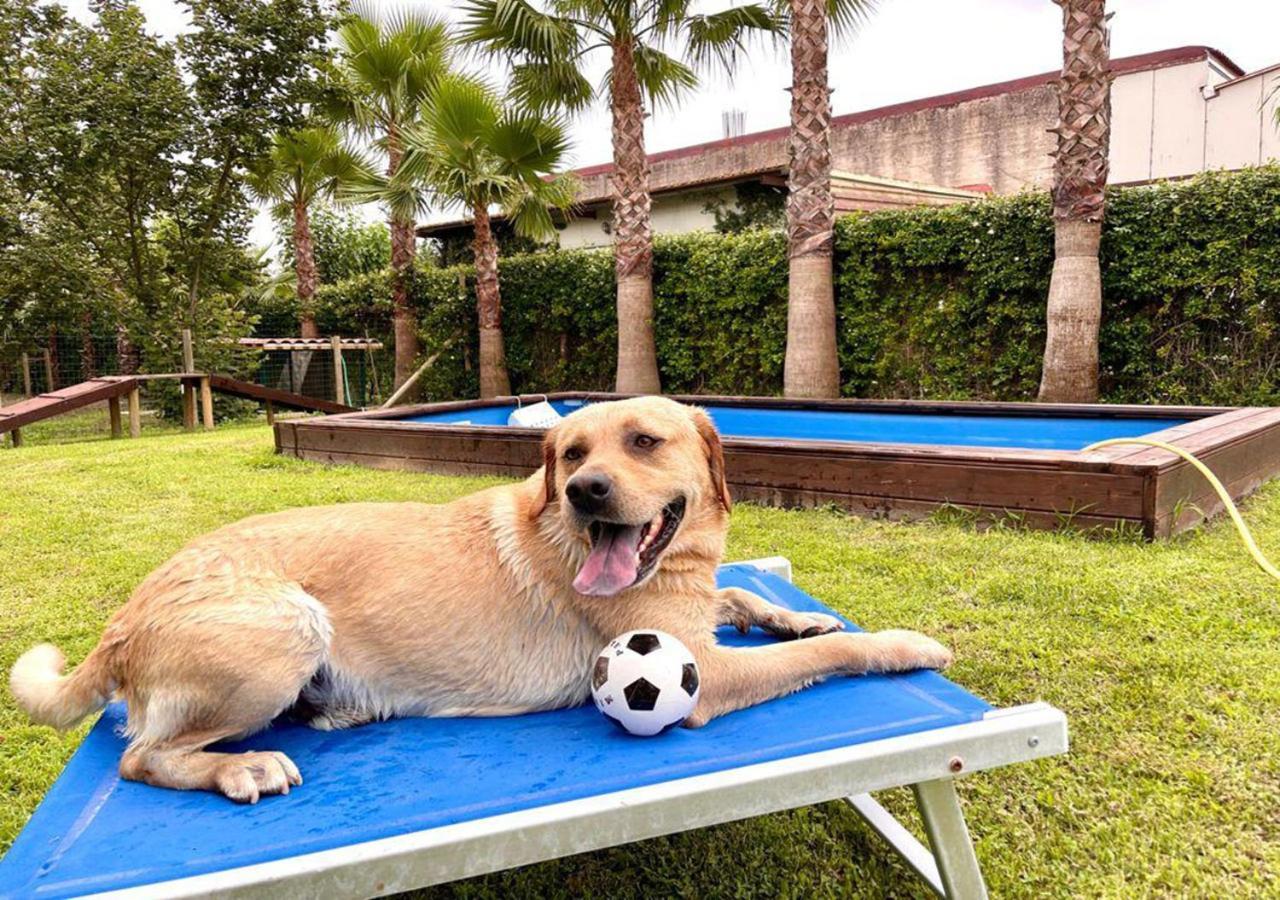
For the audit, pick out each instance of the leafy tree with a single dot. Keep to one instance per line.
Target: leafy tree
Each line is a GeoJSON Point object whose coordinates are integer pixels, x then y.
{"type": "Point", "coordinates": [382, 76]}
{"type": "Point", "coordinates": [126, 158]}
{"type": "Point", "coordinates": [475, 151]}
{"type": "Point", "coordinates": [551, 46]}
{"type": "Point", "coordinates": [254, 66]}
{"type": "Point", "coordinates": [345, 246]}
{"type": "Point", "coordinates": [1080, 165]}
{"type": "Point", "coordinates": [812, 368]}
{"type": "Point", "coordinates": [302, 167]}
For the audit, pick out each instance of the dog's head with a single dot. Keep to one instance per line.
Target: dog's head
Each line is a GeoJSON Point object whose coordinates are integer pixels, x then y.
{"type": "Point", "coordinates": [639, 480]}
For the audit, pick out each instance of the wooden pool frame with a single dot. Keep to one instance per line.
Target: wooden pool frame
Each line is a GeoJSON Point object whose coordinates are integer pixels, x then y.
{"type": "Point", "coordinates": [1118, 487]}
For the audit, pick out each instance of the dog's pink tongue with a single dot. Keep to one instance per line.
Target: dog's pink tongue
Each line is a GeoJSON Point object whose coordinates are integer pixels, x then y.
{"type": "Point", "coordinates": [612, 564]}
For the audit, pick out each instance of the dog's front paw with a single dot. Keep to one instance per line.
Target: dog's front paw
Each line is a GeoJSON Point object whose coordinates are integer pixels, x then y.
{"type": "Point", "coordinates": [802, 625]}
{"type": "Point", "coordinates": [902, 651]}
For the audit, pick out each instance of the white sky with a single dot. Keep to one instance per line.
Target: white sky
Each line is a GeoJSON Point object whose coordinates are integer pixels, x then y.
{"type": "Point", "coordinates": [907, 50]}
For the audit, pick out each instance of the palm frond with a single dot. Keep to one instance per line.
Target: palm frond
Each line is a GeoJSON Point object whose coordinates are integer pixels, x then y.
{"type": "Point", "coordinates": [403, 199]}
{"type": "Point", "coordinates": [667, 17]}
{"type": "Point", "coordinates": [515, 25]}
{"type": "Point", "coordinates": [528, 144]}
{"type": "Point", "coordinates": [717, 38]}
{"type": "Point", "coordinates": [844, 16]}
{"type": "Point", "coordinates": [551, 84]}
{"type": "Point", "coordinates": [663, 78]}
{"type": "Point", "coordinates": [847, 16]}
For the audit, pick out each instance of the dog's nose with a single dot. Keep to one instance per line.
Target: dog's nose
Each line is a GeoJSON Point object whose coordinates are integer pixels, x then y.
{"type": "Point", "coordinates": [589, 493]}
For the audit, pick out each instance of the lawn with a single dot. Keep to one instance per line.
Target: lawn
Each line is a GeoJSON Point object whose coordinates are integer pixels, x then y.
{"type": "Point", "coordinates": [1166, 659]}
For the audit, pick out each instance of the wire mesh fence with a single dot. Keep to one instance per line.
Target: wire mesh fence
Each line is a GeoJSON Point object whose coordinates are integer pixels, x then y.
{"type": "Point", "coordinates": [359, 380]}
{"type": "Point", "coordinates": [58, 360]}
{"type": "Point", "coordinates": [361, 377]}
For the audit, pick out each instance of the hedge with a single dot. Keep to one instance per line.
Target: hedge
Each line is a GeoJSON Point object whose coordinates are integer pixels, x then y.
{"type": "Point", "coordinates": [932, 302]}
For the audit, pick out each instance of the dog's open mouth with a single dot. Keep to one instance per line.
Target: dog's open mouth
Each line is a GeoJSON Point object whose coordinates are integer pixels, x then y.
{"type": "Point", "coordinates": [622, 555]}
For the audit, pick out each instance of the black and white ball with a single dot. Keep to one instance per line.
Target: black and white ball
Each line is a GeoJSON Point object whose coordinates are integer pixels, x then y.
{"type": "Point", "coordinates": [645, 682]}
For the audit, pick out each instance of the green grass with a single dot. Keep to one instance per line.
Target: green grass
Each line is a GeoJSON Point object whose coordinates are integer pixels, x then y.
{"type": "Point", "coordinates": [1165, 657]}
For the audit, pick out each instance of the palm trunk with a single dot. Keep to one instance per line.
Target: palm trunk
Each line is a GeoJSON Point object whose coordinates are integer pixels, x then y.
{"type": "Point", "coordinates": [403, 242]}
{"type": "Point", "coordinates": [304, 270]}
{"type": "Point", "coordinates": [1074, 309]}
{"type": "Point", "coordinates": [494, 380]}
{"type": "Point", "coordinates": [812, 368]}
{"type": "Point", "coordinates": [633, 238]}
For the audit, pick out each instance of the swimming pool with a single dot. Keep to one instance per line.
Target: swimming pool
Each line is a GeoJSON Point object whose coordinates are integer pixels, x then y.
{"type": "Point", "coordinates": [1044, 432]}
{"type": "Point", "coordinates": [888, 459]}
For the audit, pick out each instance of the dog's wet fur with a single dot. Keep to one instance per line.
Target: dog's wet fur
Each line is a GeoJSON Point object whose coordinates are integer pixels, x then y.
{"type": "Point", "coordinates": [495, 604]}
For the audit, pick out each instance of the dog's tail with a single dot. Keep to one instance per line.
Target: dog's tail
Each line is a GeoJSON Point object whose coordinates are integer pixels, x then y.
{"type": "Point", "coordinates": [51, 698]}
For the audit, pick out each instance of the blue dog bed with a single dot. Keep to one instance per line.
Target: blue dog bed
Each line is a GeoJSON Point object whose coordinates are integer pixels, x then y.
{"type": "Point", "coordinates": [399, 804]}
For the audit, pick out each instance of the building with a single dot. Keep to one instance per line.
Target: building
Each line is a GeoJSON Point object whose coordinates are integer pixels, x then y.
{"type": "Point", "coordinates": [1174, 113]}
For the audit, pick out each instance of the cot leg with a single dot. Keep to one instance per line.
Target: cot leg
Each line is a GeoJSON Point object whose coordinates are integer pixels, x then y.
{"type": "Point", "coordinates": [113, 413]}
{"type": "Point", "coordinates": [949, 837]}
{"type": "Point", "coordinates": [951, 870]}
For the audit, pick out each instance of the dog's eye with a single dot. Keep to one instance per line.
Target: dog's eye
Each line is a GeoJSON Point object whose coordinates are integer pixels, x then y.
{"type": "Point", "coordinates": [573, 454]}
{"type": "Point", "coordinates": [646, 441]}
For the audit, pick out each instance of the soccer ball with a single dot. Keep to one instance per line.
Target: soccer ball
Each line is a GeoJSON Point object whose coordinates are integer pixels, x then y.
{"type": "Point", "coordinates": [645, 682]}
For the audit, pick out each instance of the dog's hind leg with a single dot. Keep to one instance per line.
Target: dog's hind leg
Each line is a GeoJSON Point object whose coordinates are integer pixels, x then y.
{"type": "Point", "coordinates": [219, 666]}
{"type": "Point", "coordinates": [243, 777]}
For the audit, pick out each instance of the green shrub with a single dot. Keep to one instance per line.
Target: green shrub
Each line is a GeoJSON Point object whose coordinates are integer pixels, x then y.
{"type": "Point", "coordinates": [931, 302]}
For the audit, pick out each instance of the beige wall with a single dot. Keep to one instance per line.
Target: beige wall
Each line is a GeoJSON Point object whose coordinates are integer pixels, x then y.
{"type": "Point", "coordinates": [675, 213]}
{"type": "Point", "coordinates": [1241, 123]}
{"type": "Point", "coordinates": [998, 141]}
{"type": "Point", "coordinates": [1167, 122]}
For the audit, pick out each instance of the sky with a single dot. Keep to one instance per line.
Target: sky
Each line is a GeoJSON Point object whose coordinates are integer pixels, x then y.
{"type": "Point", "coordinates": [908, 49]}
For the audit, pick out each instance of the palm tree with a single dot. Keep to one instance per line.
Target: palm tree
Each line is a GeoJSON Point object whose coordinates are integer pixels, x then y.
{"type": "Point", "coordinates": [812, 368]}
{"type": "Point", "coordinates": [1080, 165]}
{"type": "Point", "coordinates": [383, 75]}
{"type": "Point", "coordinates": [477, 151]}
{"type": "Point", "coordinates": [303, 166]}
{"type": "Point", "coordinates": [550, 49]}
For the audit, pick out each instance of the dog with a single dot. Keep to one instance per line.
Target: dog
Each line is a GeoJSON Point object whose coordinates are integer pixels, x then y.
{"type": "Point", "coordinates": [492, 605]}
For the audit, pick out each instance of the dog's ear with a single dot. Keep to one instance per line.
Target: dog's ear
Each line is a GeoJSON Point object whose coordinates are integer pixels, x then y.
{"type": "Point", "coordinates": [548, 492]}
{"type": "Point", "coordinates": [715, 456]}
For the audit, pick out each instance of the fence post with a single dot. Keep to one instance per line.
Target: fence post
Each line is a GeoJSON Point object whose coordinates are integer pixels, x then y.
{"type": "Point", "coordinates": [135, 412]}
{"type": "Point", "coordinates": [206, 401]}
{"type": "Point", "coordinates": [26, 376]}
{"type": "Point", "coordinates": [188, 389]}
{"type": "Point", "coordinates": [50, 384]}
{"type": "Point", "coordinates": [113, 412]}
{"type": "Point", "coordinates": [339, 395]}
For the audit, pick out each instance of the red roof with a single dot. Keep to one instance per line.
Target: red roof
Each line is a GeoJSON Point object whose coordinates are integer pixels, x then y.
{"type": "Point", "coordinates": [1125, 65]}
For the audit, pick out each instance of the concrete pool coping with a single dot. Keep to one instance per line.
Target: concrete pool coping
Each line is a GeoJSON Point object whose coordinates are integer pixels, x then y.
{"type": "Point", "coordinates": [1126, 486]}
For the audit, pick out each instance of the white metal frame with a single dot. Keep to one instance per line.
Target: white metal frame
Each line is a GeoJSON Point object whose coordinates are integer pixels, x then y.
{"type": "Point", "coordinates": [928, 762]}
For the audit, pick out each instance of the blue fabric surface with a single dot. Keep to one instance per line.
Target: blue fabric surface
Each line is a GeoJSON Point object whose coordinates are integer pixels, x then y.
{"type": "Point", "coordinates": [1030, 432]}
{"type": "Point", "coordinates": [94, 832]}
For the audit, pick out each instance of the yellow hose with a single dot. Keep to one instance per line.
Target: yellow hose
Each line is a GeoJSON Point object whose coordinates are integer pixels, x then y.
{"type": "Point", "coordinates": [1245, 534]}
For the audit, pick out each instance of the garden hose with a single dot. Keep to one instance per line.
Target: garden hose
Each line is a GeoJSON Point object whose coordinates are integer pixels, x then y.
{"type": "Point", "coordinates": [1245, 535]}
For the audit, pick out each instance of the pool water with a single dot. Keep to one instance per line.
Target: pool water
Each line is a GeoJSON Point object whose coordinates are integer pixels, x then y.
{"type": "Point", "coordinates": [1029, 432]}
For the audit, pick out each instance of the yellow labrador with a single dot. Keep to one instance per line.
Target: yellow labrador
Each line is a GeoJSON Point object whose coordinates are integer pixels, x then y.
{"type": "Point", "coordinates": [493, 605]}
